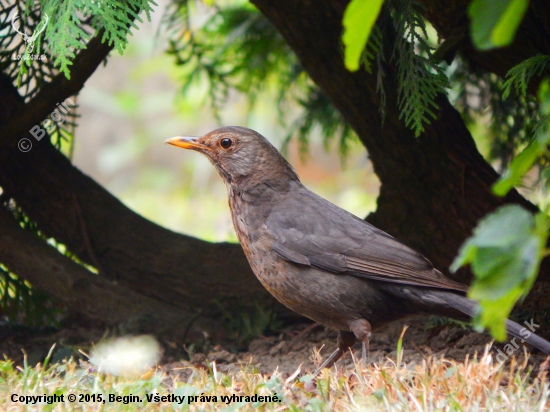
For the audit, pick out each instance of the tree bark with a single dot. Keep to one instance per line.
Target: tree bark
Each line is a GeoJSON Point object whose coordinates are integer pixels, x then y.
{"type": "Point", "coordinates": [73, 286]}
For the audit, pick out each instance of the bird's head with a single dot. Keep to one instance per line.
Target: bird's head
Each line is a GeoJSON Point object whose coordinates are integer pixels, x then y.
{"type": "Point", "coordinates": [242, 156]}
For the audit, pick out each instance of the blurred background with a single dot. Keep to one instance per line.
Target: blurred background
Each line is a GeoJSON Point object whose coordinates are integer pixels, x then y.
{"type": "Point", "coordinates": [136, 101]}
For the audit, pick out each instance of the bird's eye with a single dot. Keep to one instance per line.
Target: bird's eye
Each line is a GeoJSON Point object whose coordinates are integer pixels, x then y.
{"type": "Point", "coordinates": [226, 143]}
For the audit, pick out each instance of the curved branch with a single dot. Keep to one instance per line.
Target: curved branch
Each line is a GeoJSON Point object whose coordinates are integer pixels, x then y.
{"type": "Point", "coordinates": [69, 283]}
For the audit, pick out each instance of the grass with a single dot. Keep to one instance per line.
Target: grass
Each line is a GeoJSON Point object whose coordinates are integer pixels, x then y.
{"type": "Point", "coordinates": [434, 384]}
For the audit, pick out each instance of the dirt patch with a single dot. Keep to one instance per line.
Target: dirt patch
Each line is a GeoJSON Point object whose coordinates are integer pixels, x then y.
{"type": "Point", "coordinates": [314, 343]}
{"type": "Point", "coordinates": [303, 347]}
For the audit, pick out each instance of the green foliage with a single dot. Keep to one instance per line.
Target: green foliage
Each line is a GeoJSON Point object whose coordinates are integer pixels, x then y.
{"type": "Point", "coordinates": [358, 22]}
{"type": "Point", "coordinates": [59, 30]}
{"type": "Point", "coordinates": [66, 33]}
{"type": "Point", "coordinates": [508, 245]}
{"type": "Point", "coordinates": [420, 78]}
{"type": "Point", "coordinates": [62, 28]}
{"type": "Point", "coordinates": [236, 48]}
{"type": "Point", "coordinates": [509, 123]}
{"type": "Point", "coordinates": [18, 300]}
{"type": "Point", "coordinates": [505, 253]}
{"type": "Point", "coordinates": [519, 76]}
{"type": "Point", "coordinates": [521, 164]}
{"type": "Point", "coordinates": [436, 322]}
{"type": "Point", "coordinates": [21, 303]}
{"type": "Point", "coordinates": [318, 111]}
{"type": "Point", "coordinates": [13, 48]}
{"type": "Point", "coordinates": [494, 22]}
{"type": "Point", "coordinates": [372, 52]}
{"type": "Point", "coordinates": [30, 75]}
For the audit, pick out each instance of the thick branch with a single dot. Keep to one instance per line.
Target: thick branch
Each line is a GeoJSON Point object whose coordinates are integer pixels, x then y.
{"type": "Point", "coordinates": [72, 285]}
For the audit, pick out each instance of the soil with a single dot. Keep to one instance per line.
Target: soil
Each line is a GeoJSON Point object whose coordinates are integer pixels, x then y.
{"type": "Point", "coordinates": [304, 346]}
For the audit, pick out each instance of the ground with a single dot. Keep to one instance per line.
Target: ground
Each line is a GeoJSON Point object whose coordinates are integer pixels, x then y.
{"type": "Point", "coordinates": [302, 346]}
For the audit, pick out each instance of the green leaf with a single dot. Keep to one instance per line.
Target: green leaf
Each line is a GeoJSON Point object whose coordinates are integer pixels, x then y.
{"type": "Point", "coordinates": [494, 22]}
{"type": "Point", "coordinates": [358, 21]}
{"type": "Point", "coordinates": [493, 314]}
{"type": "Point", "coordinates": [505, 253]}
{"type": "Point", "coordinates": [519, 166]}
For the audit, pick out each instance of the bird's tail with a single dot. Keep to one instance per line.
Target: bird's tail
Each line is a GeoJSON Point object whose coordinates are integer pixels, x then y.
{"type": "Point", "coordinates": [525, 333]}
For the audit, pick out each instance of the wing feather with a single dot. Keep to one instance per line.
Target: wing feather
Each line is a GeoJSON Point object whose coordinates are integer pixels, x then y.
{"type": "Point", "coordinates": [330, 238]}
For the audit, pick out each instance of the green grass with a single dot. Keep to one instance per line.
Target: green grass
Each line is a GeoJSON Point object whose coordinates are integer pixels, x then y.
{"type": "Point", "coordinates": [434, 384]}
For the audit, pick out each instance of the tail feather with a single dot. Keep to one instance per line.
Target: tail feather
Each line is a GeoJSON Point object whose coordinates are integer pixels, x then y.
{"type": "Point", "coordinates": [526, 334]}
{"type": "Point", "coordinates": [453, 305]}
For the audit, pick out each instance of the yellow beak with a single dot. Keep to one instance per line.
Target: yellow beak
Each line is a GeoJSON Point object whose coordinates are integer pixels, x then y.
{"type": "Point", "coordinates": [186, 142]}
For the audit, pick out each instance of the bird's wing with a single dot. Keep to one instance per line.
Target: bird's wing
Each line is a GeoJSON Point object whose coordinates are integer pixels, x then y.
{"type": "Point", "coordinates": [322, 235]}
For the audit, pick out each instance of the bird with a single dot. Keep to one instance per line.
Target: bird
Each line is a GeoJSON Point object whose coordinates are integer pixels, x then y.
{"type": "Point", "coordinates": [320, 260]}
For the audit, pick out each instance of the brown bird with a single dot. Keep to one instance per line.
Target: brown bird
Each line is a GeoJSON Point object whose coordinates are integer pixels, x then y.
{"type": "Point", "coordinates": [318, 259]}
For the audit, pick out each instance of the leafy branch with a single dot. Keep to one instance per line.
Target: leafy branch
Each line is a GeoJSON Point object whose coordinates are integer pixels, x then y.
{"type": "Point", "coordinates": [67, 33]}
{"type": "Point", "coordinates": [420, 78]}
{"type": "Point", "coordinates": [519, 76]}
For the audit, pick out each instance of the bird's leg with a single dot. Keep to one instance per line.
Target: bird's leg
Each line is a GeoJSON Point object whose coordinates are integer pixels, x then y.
{"type": "Point", "coordinates": [362, 330]}
{"type": "Point", "coordinates": [345, 341]}
{"type": "Point", "coordinates": [365, 351]}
